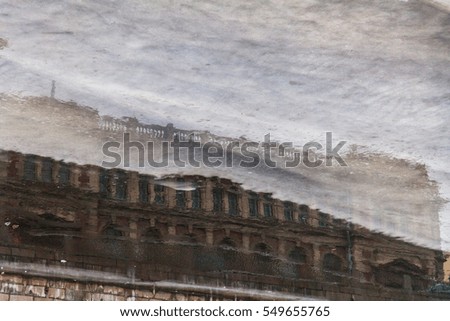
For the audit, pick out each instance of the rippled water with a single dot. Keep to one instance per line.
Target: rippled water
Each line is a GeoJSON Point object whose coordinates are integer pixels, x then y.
{"type": "Point", "coordinates": [376, 74]}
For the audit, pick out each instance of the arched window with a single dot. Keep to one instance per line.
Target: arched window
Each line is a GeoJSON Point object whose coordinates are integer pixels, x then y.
{"type": "Point", "coordinates": [262, 259]}
{"type": "Point", "coordinates": [152, 234]}
{"type": "Point", "coordinates": [297, 255]}
{"type": "Point", "coordinates": [190, 238]}
{"type": "Point", "coordinates": [227, 243]}
{"type": "Point", "coordinates": [332, 262]}
{"type": "Point", "coordinates": [227, 251]}
{"type": "Point", "coordinates": [262, 248]}
{"type": "Point", "coordinates": [112, 230]}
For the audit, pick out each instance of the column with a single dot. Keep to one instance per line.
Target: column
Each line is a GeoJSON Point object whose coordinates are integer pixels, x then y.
{"type": "Point", "coordinates": [225, 206]}
{"type": "Point", "coordinates": [243, 204]}
{"type": "Point", "coordinates": [188, 199]}
{"type": "Point", "coordinates": [75, 173]}
{"type": "Point", "coordinates": [170, 195]}
{"type": "Point", "coordinates": [92, 221]}
{"type": "Point", "coordinates": [295, 213]}
{"type": "Point", "coordinates": [246, 241]}
{"type": "Point", "coordinates": [206, 196]}
{"type": "Point", "coordinates": [133, 187]}
{"type": "Point", "coordinates": [55, 172]}
{"type": "Point", "coordinates": [278, 209]}
{"type": "Point", "coordinates": [260, 204]}
{"type": "Point", "coordinates": [133, 229]}
{"type": "Point", "coordinates": [316, 257]}
{"type": "Point", "coordinates": [281, 247]}
{"type": "Point", "coordinates": [94, 180]}
{"type": "Point", "coordinates": [209, 237]}
{"type": "Point", "coordinates": [151, 191]}
{"type": "Point", "coordinates": [38, 163]}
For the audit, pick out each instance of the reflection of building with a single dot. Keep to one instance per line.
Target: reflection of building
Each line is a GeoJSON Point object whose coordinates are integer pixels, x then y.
{"type": "Point", "coordinates": [135, 228]}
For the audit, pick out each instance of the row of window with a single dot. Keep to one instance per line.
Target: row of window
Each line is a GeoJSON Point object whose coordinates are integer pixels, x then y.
{"type": "Point", "coordinates": [119, 180]}
{"type": "Point", "coordinates": [63, 175]}
{"type": "Point", "coordinates": [218, 202]}
{"type": "Point", "coordinates": [331, 262]}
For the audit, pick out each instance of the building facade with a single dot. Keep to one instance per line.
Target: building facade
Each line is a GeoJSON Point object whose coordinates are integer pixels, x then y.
{"type": "Point", "coordinates": [89, 228]}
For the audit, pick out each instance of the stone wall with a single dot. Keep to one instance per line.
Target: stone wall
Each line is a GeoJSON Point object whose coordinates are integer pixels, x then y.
{"type": "Point", "coordinates": [19, 287]}
{"type": "Point", "coordinates": [22, 288]}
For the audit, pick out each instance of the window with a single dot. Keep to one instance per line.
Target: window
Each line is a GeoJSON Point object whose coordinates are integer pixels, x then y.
{"type": "Point", "coordinates": [303, 214]}
{"type": "Point", "coordinates": [153, 235]}
{"type": "Point", "coordinates": [332, 262]}
{"type": "Point", "coordinates": [196, 199]}
{"type": "Point", "coordinates": [227, 243]}
{"type": "Point", "coordinates": [143, 190]}
{"type": "Point", "coordinates": [180, 198]}
{"type": "Point", "coordinates": [267, 206]}
{"type": "Point", "coordinates": [263, 258]}
{"type": "Point", "coordinates": [121, 185]}
{"type": "Point", "coordinates": [103, 180]}
{"type": "Point", "coordinates": [217, 199]}
{"type": "Point", "coordinates": [159, 194]}
{"type": "Point", "coordinates": [323, 219]}
{"type": "Point", "coordinates": [288, 211]}
{"type": "Point", "coordinates": [262, 248]}
{"type": "Point", "coordinates": [267, 210]}
{"type": "Point", "coordinates": [180, 194]}
{"type": "Point", "coordinates": [112, 230]}
{"type": "Point", "coordinates": [233, 203]}
{"type": "Point", "coordinates": [253, 204]}
{"type": "Point", "coordinates": [47, 170]}
{"type": "Point", "coordinates": [64, 174]}
{"type": "Point", "coordinates": [29, 170]}
{"type": "Point", "coordinates": [297, 255]}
